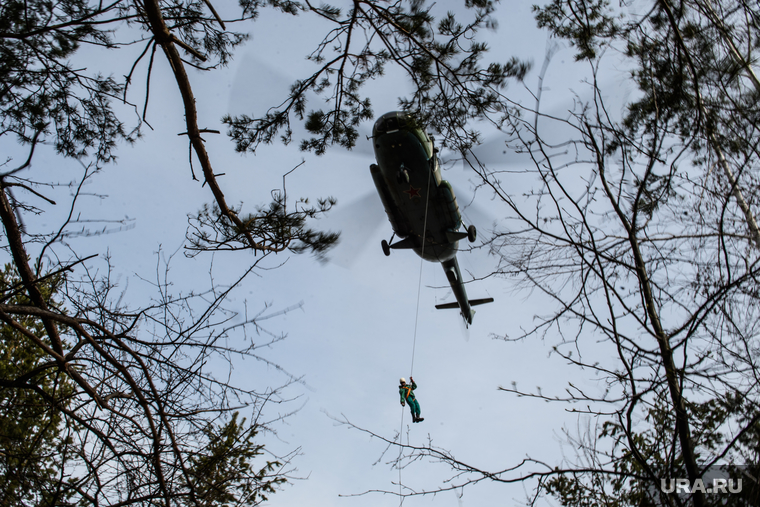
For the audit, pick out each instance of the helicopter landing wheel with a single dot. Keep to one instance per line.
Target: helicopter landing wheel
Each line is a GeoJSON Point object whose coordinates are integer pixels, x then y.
{"type": "Point", "coordinates": [472, 234]}
{"type": "Point", "coordinates": [386, 248]}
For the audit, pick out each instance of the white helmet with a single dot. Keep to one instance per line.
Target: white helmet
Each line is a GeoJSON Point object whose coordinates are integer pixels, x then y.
{"type": "Point", "coordinates": [403, 380]}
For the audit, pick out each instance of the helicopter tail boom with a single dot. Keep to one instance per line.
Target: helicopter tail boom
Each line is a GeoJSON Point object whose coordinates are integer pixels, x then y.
{"type": "Point", "coordinates": [451, 268]}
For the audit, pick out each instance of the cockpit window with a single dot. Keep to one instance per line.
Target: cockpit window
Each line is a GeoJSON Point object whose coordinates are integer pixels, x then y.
{"type": "Point", "coordinates": [386, 125]}
{"type": "Point", "coordinates": [393, 122]}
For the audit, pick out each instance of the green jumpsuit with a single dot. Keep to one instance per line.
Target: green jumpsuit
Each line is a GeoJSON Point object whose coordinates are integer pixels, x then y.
{"type": "Point", "coordinates": [406, 392]}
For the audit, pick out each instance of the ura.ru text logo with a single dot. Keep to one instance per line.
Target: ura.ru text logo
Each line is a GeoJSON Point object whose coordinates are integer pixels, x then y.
{"type": "Point", "coordinates": [716, 486]}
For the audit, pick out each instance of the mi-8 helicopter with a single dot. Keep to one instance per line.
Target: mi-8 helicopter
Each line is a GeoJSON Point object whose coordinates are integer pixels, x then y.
{"type": "Point", "coordinates": [419, 204]}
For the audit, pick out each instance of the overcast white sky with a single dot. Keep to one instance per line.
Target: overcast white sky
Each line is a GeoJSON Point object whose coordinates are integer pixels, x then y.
{"type": "Point", "coordinates": [352, 339]}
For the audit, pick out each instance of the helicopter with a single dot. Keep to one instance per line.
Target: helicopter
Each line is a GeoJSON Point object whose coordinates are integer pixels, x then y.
{"type": "Point", "coordinates": [420, 204]}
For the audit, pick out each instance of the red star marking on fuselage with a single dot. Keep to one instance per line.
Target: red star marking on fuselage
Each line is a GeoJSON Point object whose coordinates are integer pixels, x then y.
{"type": "Point", "coordinates": [413, 192]}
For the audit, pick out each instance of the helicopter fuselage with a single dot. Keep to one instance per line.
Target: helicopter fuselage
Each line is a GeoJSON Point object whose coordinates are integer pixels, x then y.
{"type": "Point", "coordinates": [420, 205]}
{"type": "Point", "coordinates": [408, 179]}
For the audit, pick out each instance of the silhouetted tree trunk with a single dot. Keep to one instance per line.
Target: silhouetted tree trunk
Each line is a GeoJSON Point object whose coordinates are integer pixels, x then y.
{"type": "Point", "coordinates": [139, 418]}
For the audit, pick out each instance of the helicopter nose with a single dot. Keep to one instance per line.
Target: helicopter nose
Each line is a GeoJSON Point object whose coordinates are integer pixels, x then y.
{"type": "Point", "coordinates": [389, 122]}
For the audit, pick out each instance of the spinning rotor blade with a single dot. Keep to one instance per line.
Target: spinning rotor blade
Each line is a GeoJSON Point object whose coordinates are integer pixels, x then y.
{"type": "Point", "coordinates": [357, 222]}
{"type": "Point", "coordinates": [474, 213]}
{"type": "Point", "coordinates": [256, 86]}
{"type": "Point", "coordinates": [363, 145]}
{"type": "Point", "coordinates": [491, 153]}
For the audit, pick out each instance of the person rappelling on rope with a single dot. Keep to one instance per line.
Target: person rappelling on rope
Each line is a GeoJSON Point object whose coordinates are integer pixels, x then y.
{"type": "Point", "coordinates": [407, 395]}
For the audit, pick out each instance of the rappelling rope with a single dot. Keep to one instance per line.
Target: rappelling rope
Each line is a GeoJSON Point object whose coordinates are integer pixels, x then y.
{"type": "Point", "coordinates": [422, 261]}
{"type": "Point", "coordinates": [414, 340]}
{"type": "Point", "coordinates": [400, 451]}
